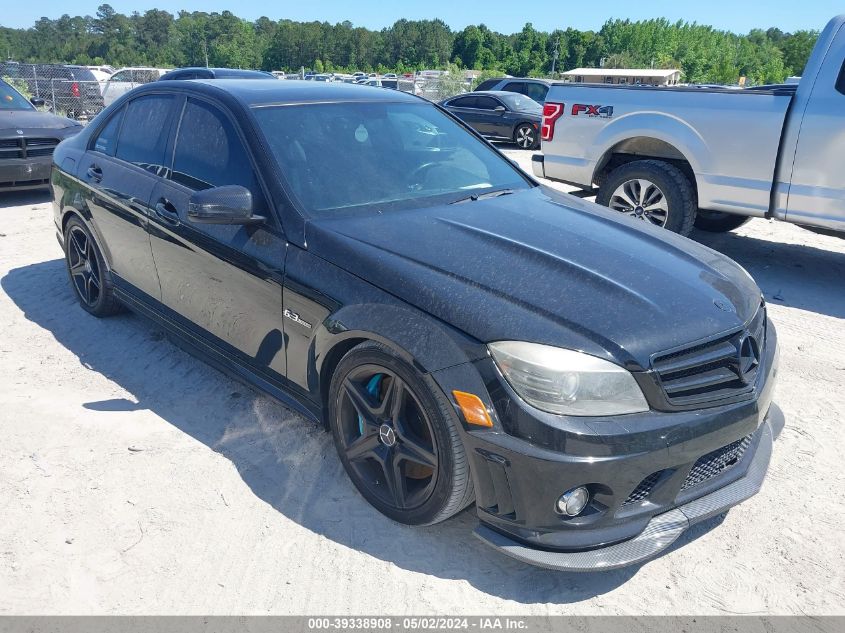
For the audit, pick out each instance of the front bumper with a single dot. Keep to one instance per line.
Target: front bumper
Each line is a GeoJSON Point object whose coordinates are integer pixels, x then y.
{"type": "Point", "coordinates": [528, 459]}
{"type": "Point", "coordinates": [25, 173]}
{"type": "Point", "coordinates": [660, 532]}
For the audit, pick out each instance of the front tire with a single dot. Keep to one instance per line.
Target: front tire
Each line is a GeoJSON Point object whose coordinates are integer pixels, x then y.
{"type": "Point", "coordinates": [397, 437]}
{"type": "Point", "coordinates": [87, 271]}
{"type": "Point", "coordinates": [719, 221]}
{"type": "Point", "coordinates": [526, 136]}
{"type": "Point", "coordinates": [652, 191]}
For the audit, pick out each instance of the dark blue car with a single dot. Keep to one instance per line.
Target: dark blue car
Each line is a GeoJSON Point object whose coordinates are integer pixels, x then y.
{"type": "Point", "coordinates": [500, 116]}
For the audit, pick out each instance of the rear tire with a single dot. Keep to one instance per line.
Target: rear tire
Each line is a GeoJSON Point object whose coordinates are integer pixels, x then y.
{"type": "Point", "coordinates": [651, 190]}
{"type": "Point", "coordinates": [413, 447]}
{"type": "Point", "coordinates": [87, 272]}
{"type": "Point", "coordinates": [719, 221]}
{"type": "Point", "coordinates": [526, 136]}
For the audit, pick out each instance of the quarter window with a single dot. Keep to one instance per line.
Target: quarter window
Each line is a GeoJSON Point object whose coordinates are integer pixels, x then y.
{"type": "Point", "coordinates": [106, 140]}
{"type": "Point", "coordinates": [143, 140]}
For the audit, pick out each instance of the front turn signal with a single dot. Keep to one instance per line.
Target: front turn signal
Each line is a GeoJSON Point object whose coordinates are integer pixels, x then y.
{"type": "Point", "coordinates": [473, 409]}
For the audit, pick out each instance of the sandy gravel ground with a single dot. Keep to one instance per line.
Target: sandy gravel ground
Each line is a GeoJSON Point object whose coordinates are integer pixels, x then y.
{"type": "Point", "coordinates": [135, 479]}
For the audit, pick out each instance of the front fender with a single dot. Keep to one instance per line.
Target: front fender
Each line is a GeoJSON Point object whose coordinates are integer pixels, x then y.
{"type": "Point", "coordinates": [420, 339]}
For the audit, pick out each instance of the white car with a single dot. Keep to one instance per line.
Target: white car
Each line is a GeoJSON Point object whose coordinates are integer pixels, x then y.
{"type": "Point", "coordinates": [125, 79]}
{"type": "Point", "coordinates": [102, 77]}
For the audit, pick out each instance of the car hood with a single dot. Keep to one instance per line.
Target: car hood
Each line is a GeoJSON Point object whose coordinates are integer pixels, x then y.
{"type": "Point", "coordinates": [32, 120]}
{"type": "Point", "coordinates": [545, 267]}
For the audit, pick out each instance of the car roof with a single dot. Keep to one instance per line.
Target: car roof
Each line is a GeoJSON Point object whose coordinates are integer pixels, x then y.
{"type": "Point", "coordinates": [223, 72]}
{"type": "Point", "coordinates": [491, 93]}
{"type": "Point", "coordinates": [534, 79]}
{"type": "Point", "coordinates": [256, 92]}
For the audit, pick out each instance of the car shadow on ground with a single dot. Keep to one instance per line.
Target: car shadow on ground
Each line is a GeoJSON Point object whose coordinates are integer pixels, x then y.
{"type": "Point", "coordinates": [286, 461]}
{"type": "Point", "coordinates": [795, 275]}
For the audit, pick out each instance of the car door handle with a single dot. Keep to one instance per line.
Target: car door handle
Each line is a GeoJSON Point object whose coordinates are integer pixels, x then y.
{"type": "Point", "coordinates": [166, 211]}
{"type": "Point", "coordinates": [95, 173]}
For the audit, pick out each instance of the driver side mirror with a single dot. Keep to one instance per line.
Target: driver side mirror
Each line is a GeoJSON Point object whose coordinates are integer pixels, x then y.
{"type": "Point", "coordinates": [36, 101]}
{"type": "Point", "coordinates": [499, 109]}
{"type": "Point", "coordinates": [230, 204]}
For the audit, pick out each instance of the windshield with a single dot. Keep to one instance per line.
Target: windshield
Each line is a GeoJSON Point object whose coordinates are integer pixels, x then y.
{"type": "Point", "coordinates": [11, 99]}
{"type": "Point", "coordinates": [338, 156]}
{"type": "Point", "coordinates": [521, 103]}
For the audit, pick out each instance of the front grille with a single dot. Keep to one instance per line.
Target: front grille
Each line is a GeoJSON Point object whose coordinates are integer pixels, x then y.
{"type": "Point", "coordinates": [23, 147]}
{"type": "Point", "coordinates": [721, 368]}
{"type": "Point", "coordinates": [11, 148]}
{"type": "Point", "coordinates": [717, 462]}
{"type": "Point", "coordinates": [643, 489]}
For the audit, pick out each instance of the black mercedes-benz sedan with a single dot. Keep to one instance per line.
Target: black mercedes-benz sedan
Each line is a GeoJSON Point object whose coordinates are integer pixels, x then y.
{"type": "Point", "coordinates": [27, 140]}
{"type": "Point", "coordinates": [593, 385]}
{"type": "Point", "coordinates": [499, 116]}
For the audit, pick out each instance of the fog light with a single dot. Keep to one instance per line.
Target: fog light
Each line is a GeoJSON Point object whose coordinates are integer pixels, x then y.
{"type": "Point", "coordinates": [572, 502]}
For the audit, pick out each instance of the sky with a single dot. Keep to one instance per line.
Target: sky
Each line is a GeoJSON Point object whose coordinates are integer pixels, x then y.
{"type": "Point", "coordinates": [505, 16]}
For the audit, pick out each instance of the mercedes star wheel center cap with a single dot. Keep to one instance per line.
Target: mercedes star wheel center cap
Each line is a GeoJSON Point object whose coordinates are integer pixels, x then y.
{"type": "Point", "coordinates": [387, 435]}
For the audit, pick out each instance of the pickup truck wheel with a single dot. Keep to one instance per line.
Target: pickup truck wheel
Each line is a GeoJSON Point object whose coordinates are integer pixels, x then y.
{"type": "Point", "coordinates": [652, 191]}
{"type": "Point", "coordinates": [718, 221]}
{"type": "Point", "coordinates": [526, 137]}
{"type": "Point", "coordinates": [397, 437]}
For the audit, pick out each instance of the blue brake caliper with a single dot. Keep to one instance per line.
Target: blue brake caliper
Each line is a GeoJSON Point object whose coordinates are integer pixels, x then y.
{"type": "Point", "coordinates": [372, 389]}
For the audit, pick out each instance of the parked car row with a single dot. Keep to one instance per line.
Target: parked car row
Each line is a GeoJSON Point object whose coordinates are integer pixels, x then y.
{"type": "Point", "coordinates": [76, 91]}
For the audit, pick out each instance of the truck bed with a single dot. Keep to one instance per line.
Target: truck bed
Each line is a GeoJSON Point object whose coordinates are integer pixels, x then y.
{"type": "Point", "coordinates": [729, 137]}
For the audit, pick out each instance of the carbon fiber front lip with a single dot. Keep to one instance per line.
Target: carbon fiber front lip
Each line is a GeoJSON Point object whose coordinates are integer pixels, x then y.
{"type": "Point", "coordinates": [661, 531]}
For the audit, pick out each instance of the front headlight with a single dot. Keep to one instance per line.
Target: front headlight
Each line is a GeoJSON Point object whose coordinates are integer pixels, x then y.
{"type": "Point", "coordinates": [567, 382]}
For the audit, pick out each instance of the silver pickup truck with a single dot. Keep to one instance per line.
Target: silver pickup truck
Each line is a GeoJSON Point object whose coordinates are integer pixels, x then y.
{"type": "Point", "coordinates": [709, 157]}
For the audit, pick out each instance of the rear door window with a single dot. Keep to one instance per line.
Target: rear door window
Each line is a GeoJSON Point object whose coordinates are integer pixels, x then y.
{"type": "Point", "coordinates": [486, 103]}
{"type": "Point", "coordinates": [537, 92]}
{"type": "Point", "coordinates": [143, 138]}
{"type": "Point", "coordinates": [515, 86]}
{"type": "Point", "coordinates": [487, 84]}
{"type": "Point", "coordinates": [463, 102]}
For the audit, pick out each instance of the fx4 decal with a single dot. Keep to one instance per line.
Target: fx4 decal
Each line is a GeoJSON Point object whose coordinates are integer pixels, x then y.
{"type": "Point", "coordinates": [604, 112]}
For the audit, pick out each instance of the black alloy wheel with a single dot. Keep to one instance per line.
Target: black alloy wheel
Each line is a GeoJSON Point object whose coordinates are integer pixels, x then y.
{"type": "Point", "coordinates": [393, 438]}
{"type": "Point", "coordinates": [83, 266]}
{"type": "Point", "coordinates": [86, 271]}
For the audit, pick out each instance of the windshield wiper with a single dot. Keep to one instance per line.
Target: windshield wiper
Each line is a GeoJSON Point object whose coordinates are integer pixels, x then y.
{"type": "Point", "coordinates": [481, 196]}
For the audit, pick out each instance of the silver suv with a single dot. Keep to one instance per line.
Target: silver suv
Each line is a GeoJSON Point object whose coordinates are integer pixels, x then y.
{"type": "Point", "coordinates": [535, 89]}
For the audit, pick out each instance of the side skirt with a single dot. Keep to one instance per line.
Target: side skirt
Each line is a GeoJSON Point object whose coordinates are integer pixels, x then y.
{"type": "Point", "coordinates": [232, 367]}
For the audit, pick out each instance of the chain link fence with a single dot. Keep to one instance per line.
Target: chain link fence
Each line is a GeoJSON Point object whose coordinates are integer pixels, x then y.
{"type": "Point", "coordinates": [78, 93]}
{"type": "Point", "coordinates": [435, 88]}
{"type": "Point", "coordinates": [71, 91]}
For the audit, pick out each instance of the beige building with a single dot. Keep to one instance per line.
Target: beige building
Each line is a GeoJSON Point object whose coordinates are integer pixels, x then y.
{"type": "Point", "coordinates": [649, 76]}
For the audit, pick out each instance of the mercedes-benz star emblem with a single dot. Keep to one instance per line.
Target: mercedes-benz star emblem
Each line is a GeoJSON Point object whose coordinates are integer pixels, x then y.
{"type": "Point", "coordinates": [387, 435]}
{"type": "Point", "coordinates": [748, 357]}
